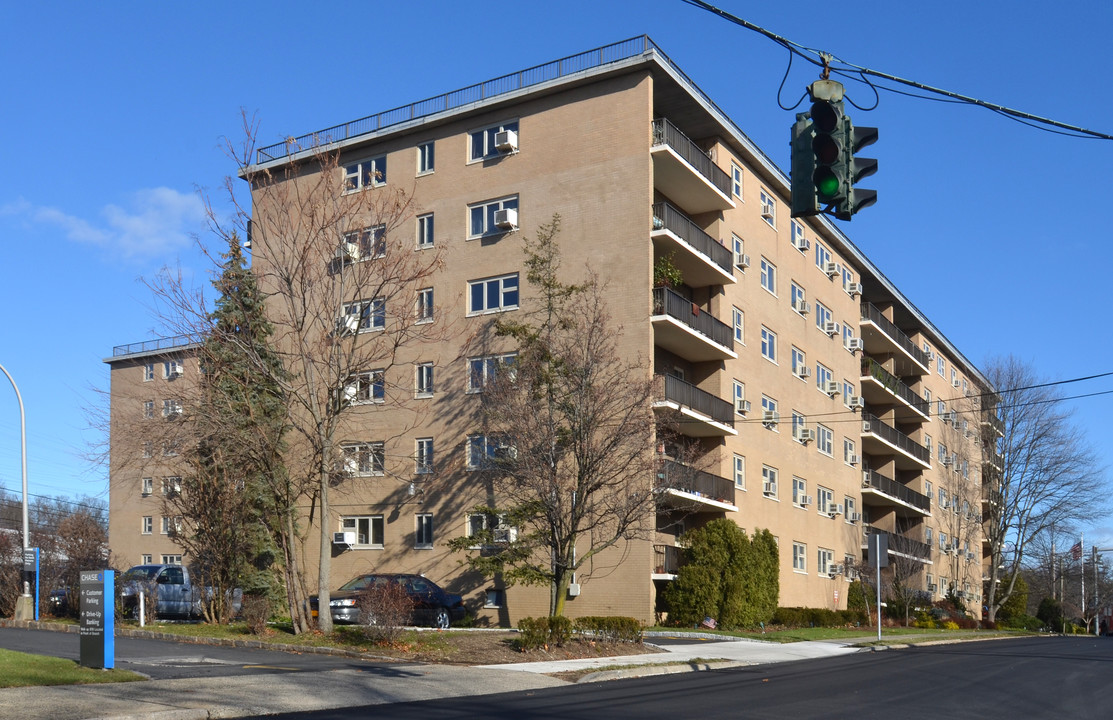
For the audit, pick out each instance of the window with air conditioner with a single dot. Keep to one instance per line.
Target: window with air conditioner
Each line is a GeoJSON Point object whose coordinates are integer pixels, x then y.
{"type": "Point", "coordinates": [493, 141]}
{"type": "Point", "coordinates": [768, 208]}
{"type": "Point", "coordinates": [769, 481]}
{"type": "Point", "coordinates": [369, 243]}
{"type": "Point", "coordinates": [493, 217]}
{"type": "Point", "coordinates": [363, 316]}
{"type": "Point", "coordinates": [363, 459]}
{"type": "Point", "coordinates": [368, 530]}
{"type": "Point", "coordinates": [799, 491]}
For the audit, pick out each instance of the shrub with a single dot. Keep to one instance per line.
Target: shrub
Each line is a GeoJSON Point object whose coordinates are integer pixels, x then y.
{"type": "Point", "coordinates": [385, 608]}
{"type": "Point", "coordinates": [950, 625]}
{"type": "Point", "coordinates": [1050, 613]}
{"type": "Point", "coordinates": [543, 632]}
{"type": "Point", "coordinates": [610, 629]}
{"type": "Point", "coordinates": [256, 612]}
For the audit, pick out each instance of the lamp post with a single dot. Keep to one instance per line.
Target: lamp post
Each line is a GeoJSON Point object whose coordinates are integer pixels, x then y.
{"type": "Point", "coordinates": [23, 608]}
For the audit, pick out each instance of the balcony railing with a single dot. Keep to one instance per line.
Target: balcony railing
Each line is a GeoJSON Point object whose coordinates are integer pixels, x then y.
{"type": "Point", "coordinates": [895, 385]}
{"type": "Point", "coordinates": [665, 133]}
{"type": "Point", "coordinates": [899, 544]}
{"type": "Point", "coordinates": [894, 489]}
{"type": "Point", "coordinates": [167, 343]}
{"type": "Point", "coordinates": [685, 394]}
{"type": "Point", "coordinates": [665, 216]}
{"type": "Point", "coordinates": [872, 314]}
{"type": "Point", "coordinates": [666, 559]}
{"type": "Point", "coordinates": [676, 476]}
{"type": "Point", "coordinates": [675, 305]}
{"type": "Point", "coordinates": [996, 423]}
{"type": "Point", "coordinates": [873, 424]}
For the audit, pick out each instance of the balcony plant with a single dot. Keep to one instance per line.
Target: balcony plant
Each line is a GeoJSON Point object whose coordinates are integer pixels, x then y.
{"type": "Point", "coordinates": [666, 273]}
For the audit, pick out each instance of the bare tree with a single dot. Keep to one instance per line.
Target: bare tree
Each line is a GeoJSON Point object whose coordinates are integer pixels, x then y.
{"type": "Point", "coordinates": [569, 436]}
{"type": "Point", "coordinates": [1041, 473]}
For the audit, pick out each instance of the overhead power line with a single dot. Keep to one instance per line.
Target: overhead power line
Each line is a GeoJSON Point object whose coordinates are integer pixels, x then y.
{"type": "Point", "coordinates": [822, 59]}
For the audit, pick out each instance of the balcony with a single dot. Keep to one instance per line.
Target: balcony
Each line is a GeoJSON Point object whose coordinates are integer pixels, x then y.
{"type": "Point", "coordinates": [901, 545]}
{"type": "Point", "coordinates": [993, 459]}
{"type": "Point", "coordinates": [700, 414]}
{"type": "Point", "coordinates": [666, 562]}
{"type": "Point", "coordinates": [995, 423]}
{"type": "Point", "coordinates": [684, 172]}
{"type": "Point", "coordinates": [701, 258]}
{"type": "Point", "coordinates": [879, 438]}
{"type": "Point", "coordinates": [685, 487]}
{"type": "Point", "coordinates": [682, 328]}
{"type": "Point", "coordinates": [880, 387]}
{"type": "Point", "coordinates": [882, 337]}
{"type": "Point", "coordinates": [880, 491]}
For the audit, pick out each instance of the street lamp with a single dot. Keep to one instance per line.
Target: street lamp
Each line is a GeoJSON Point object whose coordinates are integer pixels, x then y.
{"type": "Point", "coordinates": [23, 608]}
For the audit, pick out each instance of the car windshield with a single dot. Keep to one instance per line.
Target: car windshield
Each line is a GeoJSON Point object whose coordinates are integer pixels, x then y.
{"type": "Point", "coordinates": [362, 582]}
{"type": "Point", "coordinates": [142, 572]}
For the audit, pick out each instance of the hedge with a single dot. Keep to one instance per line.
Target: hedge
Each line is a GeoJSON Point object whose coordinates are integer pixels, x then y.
{"type": "Point", "coordinates": [556, 631]}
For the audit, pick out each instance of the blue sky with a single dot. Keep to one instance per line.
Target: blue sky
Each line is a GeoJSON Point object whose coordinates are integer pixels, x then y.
{"type": "Point", "coordinates": [114, 114]}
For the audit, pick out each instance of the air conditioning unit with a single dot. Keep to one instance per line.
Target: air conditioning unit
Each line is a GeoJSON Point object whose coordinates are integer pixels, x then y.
{"type": "Point", "coordinates": [804, 500]}
{"type": "Point", "coordinates": [831, 268]}
{"type": "Point", "coordinates": [770, 417]}
{"type": "Point", "coordinates": [801, 243]}
{"type": "Point", "coordinates": [854, 288]}
{"type": "Point", "coordinates": [344, 538]}
{"type": "Point", "coordinates": [347, 252]}
{"type": "Point", "coordinates": [347, 325]}
{"type": "Point", "coordinates": [741, 261]}
{"type": "Point", "coordinates": [831, 327]}
{"type": "Point", "coordinates": [803, 371]}
{"type": "Point", "coordinates": [801, 306]}
{"type": "Point", "coordinates": [767, 211]}
{"type": "Point", "coordinates": [833, 571]}
{"type": "Point", "coordinates": [506, 141]}
{"type": "Point", "coordinates": [954, 464]}
{"type": "Point", "coordinates": [351, 466]}
{"type": "Point", "coordinates": [867, 479]}
{"type": "Point", "coordinates": [573, 589]}
{"type": "Point", "coordinates": [741, 406]}
{"type": "Point", "coordinates": [955, 382]}
{"type": "Point", "coordinates": [947, 460]}
{"type": "Point", "coordinates": [856, 402]}
{"type": "Point", "coordinates": [804, 434]}
{"type": "Point", "coordinates": [175, 371]}
{"type": "Point", "coordinates": [506, 535]}
{"type": "Point", "coordinates": [506, 219]}
{"type": "Point", "coordinates": [853, 344]}
{"type": "Point", "coordinates": [768, 489]}
{"type": "Point", "coordinates": [931, 587]}
{"type": "Point", "coordinates": [831, 387]}
{"type": "Point", "coordinates": [854, 517]}
{"type": "Point", "coordinates": [854, 459]}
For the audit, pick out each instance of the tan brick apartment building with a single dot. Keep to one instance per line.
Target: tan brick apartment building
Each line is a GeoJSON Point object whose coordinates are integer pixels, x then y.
{"type": "Point", "coordinates": [826, 404]}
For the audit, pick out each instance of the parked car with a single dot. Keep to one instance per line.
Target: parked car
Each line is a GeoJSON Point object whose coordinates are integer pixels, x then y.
{"type": "Point", "coordinates": [432, 605]}
{"type": "Point", "coordinates": [177, 595]}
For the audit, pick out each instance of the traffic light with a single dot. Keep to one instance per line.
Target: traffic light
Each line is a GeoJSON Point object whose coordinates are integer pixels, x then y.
{"type": "Point", "coordinates": [830, 127]}
{"type": "Point", "coordinates": [804, 201]}
{"type": "Point", "coordinates": [859, 137]}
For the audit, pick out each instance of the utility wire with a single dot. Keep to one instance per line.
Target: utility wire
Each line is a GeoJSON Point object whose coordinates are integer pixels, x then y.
{"type": "Point", "coordinates": [851, 70]}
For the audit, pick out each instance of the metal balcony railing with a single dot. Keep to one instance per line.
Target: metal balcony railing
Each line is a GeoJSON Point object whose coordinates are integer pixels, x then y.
{"type": "Point", "coordinates": [669, 218]}
{"type": "Point", "coordinates": [685, 394]}
{"type": "Point", "coordinates": [899, 543]}
{"type": "Point", "coordinates": [894, 385]}
{"type": "Point", "coordinates": [873, 424]}
{"type": "Point", "coordinates": [675, 305]}
{"type": "Point", "coordinates": [894, 489]}
{"type": "Point", "coordinates": [665, 133]}
{"type": "Point", "coordinates": [676, 476]}
{"type": "Point", "coordinates": [666, 559]}
{"type": "Point", "coordinates": [167, 343]}
{"type": "Point", "coordinates": [871, 313]}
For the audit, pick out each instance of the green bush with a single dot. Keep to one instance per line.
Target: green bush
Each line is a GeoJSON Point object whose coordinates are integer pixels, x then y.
{"type": "Point", "coordinates": [1050, 613]}
{"type": "Point", "coordinates": [1023, 622]}
{"type": "Point", "coordinates": [543, 632]}
{"type": "Point", "coordinates": [560, 630]}
{"type": "Point", "coordinates": [610, 629]}
{"type": "Point", "coordinates": [817, 617]}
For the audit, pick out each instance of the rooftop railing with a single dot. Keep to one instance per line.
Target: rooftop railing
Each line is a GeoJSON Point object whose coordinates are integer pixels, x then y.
{"type": "Point", "coordinates": [168, 343]}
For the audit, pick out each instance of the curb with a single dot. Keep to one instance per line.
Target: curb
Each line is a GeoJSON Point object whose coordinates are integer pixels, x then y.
{"type": "Point", "coordinates": [651, 670]}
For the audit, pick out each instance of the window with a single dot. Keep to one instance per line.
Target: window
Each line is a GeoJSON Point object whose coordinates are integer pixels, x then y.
{"type": "Point", "coordinates": [798, 240]}
{"type": "Point", "coordinates": [768, 344]}
{"type": "Point", "coordinates": [482, 449]}
{"type": "Point", "coordinates": [825, 560]}
{"type": "Point", "coordinates": [363, 459]}
{"type": "Point", "coordinates": [423, 457]}
{"type": "Point", "coordinates": [148, 525]}
{"type": "Point", "coordinates": [797, 298]}
{"type": "Point", "coordinates": [849, 507]}
{"type": "Point", "coordinates": [942, 539]}
{"type": "Point", "coordinates": [147, 448]}
{"type": "Point", "coordinates": [927, 537]}
{"type": "Point", "coordinates": [739, 323]}
{"type": "Point", "coordinates": [145, 560]}
{"type": "Point", "coordinates": [799, 423]}
{"type": "Point", "coordinates": [423, 530]}
{"type": "Point", "coordinates": [799, 557]}
{"type": "Point", "coordinates": [823, 375]}
{"type": "Point", "coordinates": [368, 530]}
{"type": "Point", "coordinates": [769, 409]}
{"type": "Point", "coordinates": [927, 397]}
{"type": "Point", "coordinates": [172, 486]}
{"type": "Point", "coordinates": [799, 491]}
{"type": "Point", "coordinates": [482, 370]}
{"type": "Point", "coordinates": [146, 486]}
{"type": "Point", "coordinates": [425, 305]}
{"type": "Point", "coordinates": [824, 440]}
{"type": "Point", "coordinates": [493, 294]}
{"type": "Point", "coordinates": [927, 488]}
{"type": "Point", "coordinates": [171, 369]}
{"type": "Point", "coordinates": [500, 532]}
{"type": "Point", "coordinates": [954, 377]}
{"type": "Point", "coordinates": [483, 141]}
{"type": "Point", "coordinates": [423, 382]}
{"type": "Point", "coordinates": [171, 408]}
{"type": "Point", "coordinates": [825, 499]}
{"type": "Point", "coordinates": [148, 409]}
{"type": "Point", "coordinates": [736, 247]}
{"type": "Point", "coordinates": [799, 363]}
{"type": "Point", "coordinates": [426, 158]}
{"type": "Point", "coordinates": [740, 472]}
{"type": "Point", "coordinates": [769, 276]}
{"type": "Point", "coordinates": [425, 237]}
{"type": "Point", "coordinates": [847, 392]}
{"type": "Point", "coordinates": [822, 256]}
{"type": "Point", "coordinates": [370, 314]}
{"type": "Point", "coordinates": [847, 336]}
{"type": "Point", "coordinates": [148, 372]}
{"type": "Point", "coordinates": [365, 174]}
{"type": "Point", "coordinates": [849, 451]}
{"type": "Point", "coordinates": [170, 447]}
{"type": "Point", "coordinates": [736, 181]}
{"type": "Point", "coordinates": [847, 278]}
{"type": "Point", "coordinates": [769, 481]}
{"type": "Point", "coordinates": [941, 365]}
{"type": "Point", "coordinates": [768, 209]}
{"type": "Point", "coordinates": [941, 408]}
{"type": "Point", "coordinates": [169, 523]}
{"type": "Point", "coordinates": [739, 397]}
{"type": "Point", "coordinates": [927, 444]}
{"type": "Point", "coordinates": [495, 598]}
{"type": "Point", "coordinates": [366, 387]}
{"type": "Point", "coordinates": [483, 221]}
{"type": "Point", "coordinates": [822, 316]}
{"type": "Point", "coordinates": [170, 559]}
{"type": "Point", "coordinates": [942, 498]}
{"type": "Point", "coordinates": [370, 241]}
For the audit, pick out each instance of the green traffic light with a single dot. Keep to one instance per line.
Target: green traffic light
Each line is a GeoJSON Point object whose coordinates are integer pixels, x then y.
{"type": "Point", "coordinates": [826, 183]}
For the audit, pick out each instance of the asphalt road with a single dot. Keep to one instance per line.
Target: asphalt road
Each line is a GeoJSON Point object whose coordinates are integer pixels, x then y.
{"type": "Point", "coordinates": [1045, 677]}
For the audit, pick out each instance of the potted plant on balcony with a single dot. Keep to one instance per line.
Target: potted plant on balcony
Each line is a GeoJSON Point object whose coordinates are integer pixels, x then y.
{"type": "Point", "coordinates": [666, 273]}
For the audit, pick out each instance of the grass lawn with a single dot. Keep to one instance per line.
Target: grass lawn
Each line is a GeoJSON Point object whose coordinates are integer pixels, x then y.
{"type": "Point", "coordinates": [860, 634]}
{"type": "Point", "coordinates": [21, 669]}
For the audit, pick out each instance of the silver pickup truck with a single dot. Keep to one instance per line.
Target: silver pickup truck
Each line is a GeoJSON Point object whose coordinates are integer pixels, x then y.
{"type": "Point", "coordinates": [176, 595]}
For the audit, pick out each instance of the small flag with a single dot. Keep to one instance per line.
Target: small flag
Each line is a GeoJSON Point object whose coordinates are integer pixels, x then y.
{"type": "Point", "coordinates": [1076, 550]}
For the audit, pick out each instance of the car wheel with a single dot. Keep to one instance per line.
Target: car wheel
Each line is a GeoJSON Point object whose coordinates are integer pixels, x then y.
{"type": "Point", "coordinates": [442, 620]}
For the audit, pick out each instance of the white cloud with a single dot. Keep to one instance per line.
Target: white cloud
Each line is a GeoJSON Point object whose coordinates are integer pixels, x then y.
{"type": "Point", "coordinates": [156, 223]}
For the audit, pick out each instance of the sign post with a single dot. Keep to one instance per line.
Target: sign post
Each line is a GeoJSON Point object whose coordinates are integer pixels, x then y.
{"type": "Point", "coordinates": [31, 577]}
{"type": "Point", "coordinates": [879, 556]}
{"type": "Point", "coordinates": [97, 628]}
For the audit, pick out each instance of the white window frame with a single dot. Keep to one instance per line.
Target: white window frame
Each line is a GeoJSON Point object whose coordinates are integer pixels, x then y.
{"type": "Point", "coordinates": [822, 256]}
{"type": "Point", "coordinates": [371, 241]}
{"type": "Point", "coordinates": [425, 307]}
{"type": "Point", "coordinates": [769, 481]}
{"type": "Point", "coordinates": [825, 440]}
{"type": "Point", "coordinates": [366, 388]}
{"type": "Point", "coordinates": [769, 276]}
{"type": "Point", "coordinates": [739, 389]}
{"type": "Point", "coordinates": [483, 140]}
{"type": "Point", "coordinates": [799, 360]}
{"type": "Point", "coordinates": [738, 322]}
{"type": "Point", "coordinates": [796, 296]}
{"type": "Point", "coordinates": [147, 524]}
{"type": "Point", "coordinates": [768, 208]}
{"type": "Point", "coordinates": [369, 457]}
{"type": "Point", "coordinates": [148, 409]}
{"type": "Point", "coordinates": [147, 486]}
{"type": "Point", "coordinates": [423, 531]}
{"type": "Point", "coordinates": [171, 408]}
{"type": "Point", "coordinates": [171, 486]}
{"type": "Point", "coordinates": [799, 557]}
{"type": "Point", "coordinates": [824, 559]}
{"type": "Point", "coordinates": [485, 368]}
{"type": "Point", "coordinates": [145, 559]}
{"type": "Point", "coordinates": [426, 231]}
{"type": "Point", "coordinates": [941, 365]}
{"type": "Point", "coordinates": [423, 456]}
{"type": "Point", "coordinates": [770, 404]}
{"type": "Point", "coordinates": [426, 158]}
{"type": "Point", "coordinates": [369, 172]}
{"type": "Point", "coordinates": [738, 247]}
{"type": "Point", "coordinates": [739, 470]}
{"type": "Point", "coordinates": [849, 450]}
{"type": "Point", "coordinates": [799, 491]}
{"type": "Point", "coordinates": [375, 536]}
{"type": "Point", "coordinates": [423, 380]}
{"type": "Point", "coordinates": [823, 375]}
{"type": "Point", "coordinates": [824, 499]}
{"type": "Point", "coordinates": [769, 344]}
{"type": "Point", "coordinates": [371, 314]}
{"type": "Point", "coordinates": [847, 392]}
{"type": "Point", "coordinates": [507, 288]}
{"type": "Point", "coordinates": [481, 216]}
{"type": "Point", "coordinates": [822, 316]}
{"type": "Point", "coordinates": [148, 372]}
{"type": "Point", "coordinates": [170, 559]}
{"type": "Point", "coordinates": [849, 507]}
{"type": "Point", "coordinates": [171, 369]}
{"type": "Point", "coordinates": [736, 180]}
